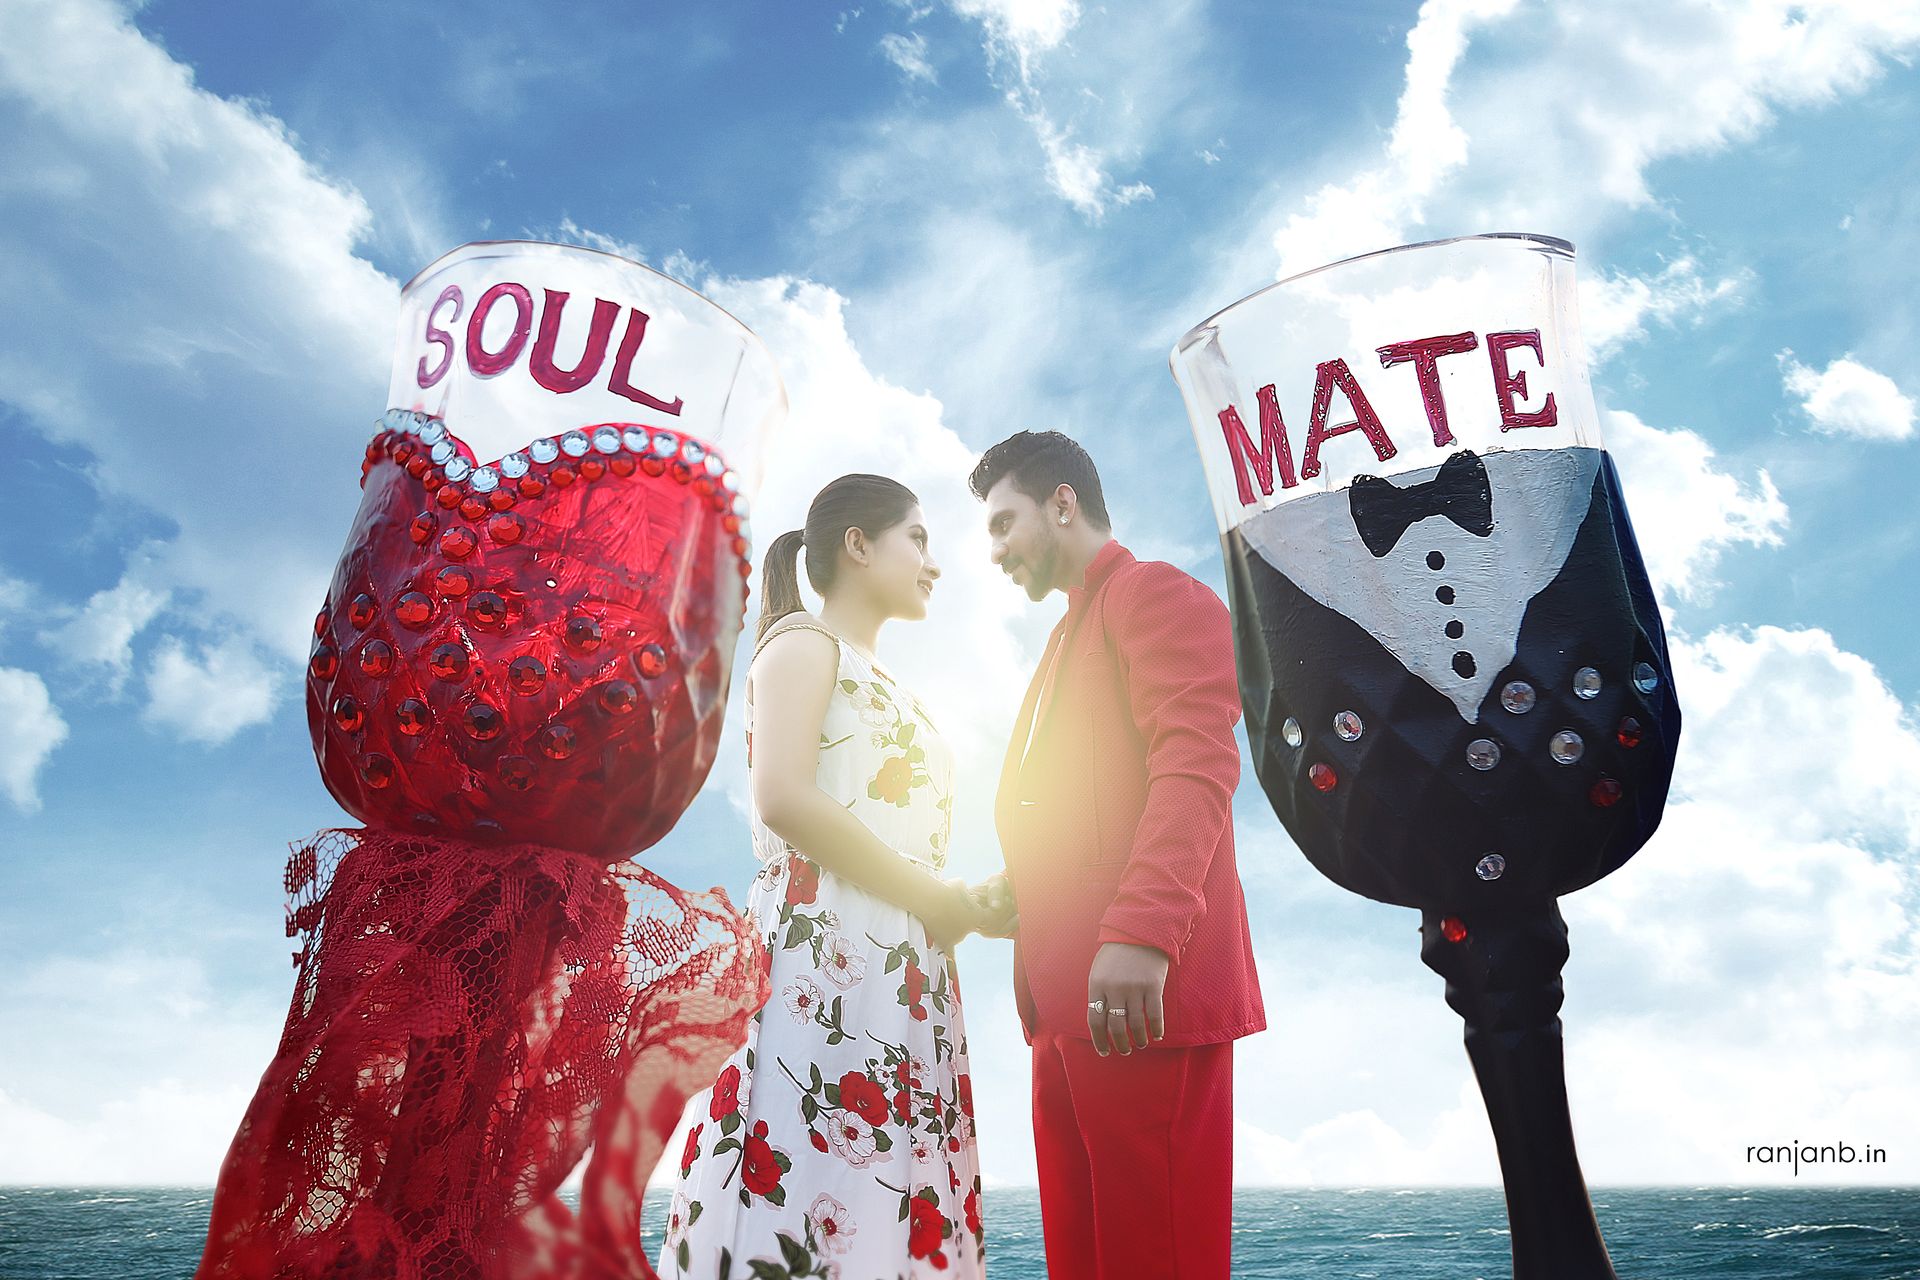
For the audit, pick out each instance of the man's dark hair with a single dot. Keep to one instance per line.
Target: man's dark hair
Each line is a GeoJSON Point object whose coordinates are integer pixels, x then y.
{"type": "Point", "coordinates": [1040, 462]}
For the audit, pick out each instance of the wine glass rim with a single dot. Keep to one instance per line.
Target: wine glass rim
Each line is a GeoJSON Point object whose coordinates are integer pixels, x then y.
{"type": "Point", "coordinates": [1552, 245]}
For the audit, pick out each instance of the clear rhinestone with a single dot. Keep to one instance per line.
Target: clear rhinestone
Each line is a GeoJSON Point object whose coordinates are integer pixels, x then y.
{"type": "Point", "coordinates": [1517, 696]}
{"type": "Point", "coordinates": [1291, 732]}
{"type": "Point", "coordinates": [663, 445]}
{"type": "Point", "coordinates": [729, 481]}
{"type": "Point", "coordinates": [1645, 678]}
{"type": "Point", "coordinates": [740, 505]}
{"type": "Point", "coordinates": [485, 480]}
{"type": "Point", "coordinates": [1348, 726]}
{"type": "Point", "coordinates": [441, 452]}
{"type": "Point", "coordinates": [606, 439]}
{"type": "Point", "coordinates": [1565, 746]}
{"type": "Point", "coordinates": [1490, 867]}
{"type": "Point", "coordinates": [1586, 683]}
{"type": "Point", "coordinates": [513, 466]}
{"type": "Point", "coordinates": [714, 465]}
{"type": "Point", "coordinates": [1483, 753]}
{"type": "Point", "coordinates": [635, 438]}
{"type": "Point", "coordinates": [458, 469]}
{"type": "Point", "coordinates": [574, 443]}
{"type": "Point", "coordinates": [543, 451]}
{"type": "Point", "coordinates": [433, 431]}
{"type": "Point", "coordinates": [388, 421]}
{"type": "Point", "coordinates": [691, 452]}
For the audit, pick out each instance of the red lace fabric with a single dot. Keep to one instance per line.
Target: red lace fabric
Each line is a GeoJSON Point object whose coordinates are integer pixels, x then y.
{"type": "Point", "coordinates": [468, 1021]}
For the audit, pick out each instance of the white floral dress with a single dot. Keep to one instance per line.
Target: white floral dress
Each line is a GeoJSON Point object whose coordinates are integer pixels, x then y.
{"type": "Point", "coordinates": [838, 1141]}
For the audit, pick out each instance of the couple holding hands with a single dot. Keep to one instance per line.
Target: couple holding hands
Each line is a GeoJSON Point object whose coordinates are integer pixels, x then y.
{"type": "Point", "coordinates": [839, 1140]}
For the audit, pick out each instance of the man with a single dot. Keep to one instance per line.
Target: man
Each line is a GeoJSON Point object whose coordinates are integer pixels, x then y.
{"type": "Point", "coordinates": [1133, 969]}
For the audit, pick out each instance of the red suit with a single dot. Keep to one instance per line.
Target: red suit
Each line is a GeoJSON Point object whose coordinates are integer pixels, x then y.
{"type": "Point", "coordinates": [1117, 827]}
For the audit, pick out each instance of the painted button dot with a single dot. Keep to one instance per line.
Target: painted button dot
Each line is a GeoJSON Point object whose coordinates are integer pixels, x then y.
{"type": "Point", "coordinates": [1435, 560]}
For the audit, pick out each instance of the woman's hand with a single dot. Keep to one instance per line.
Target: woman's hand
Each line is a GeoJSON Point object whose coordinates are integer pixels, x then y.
{"type": "Point", "coordinates": [951, 915]}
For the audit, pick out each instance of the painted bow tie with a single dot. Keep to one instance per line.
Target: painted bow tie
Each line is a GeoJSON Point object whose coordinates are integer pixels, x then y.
{"type": "Point", "coordinates": [1459, 491]}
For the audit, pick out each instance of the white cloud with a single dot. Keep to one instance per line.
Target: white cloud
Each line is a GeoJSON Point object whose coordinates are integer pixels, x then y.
{"type": "Point", "coordinates": [101, 634]}
{"type": "Point", "coordinates": [209, 698]}
{"type": "Point", "coordinates": [33, 728]}
{"type": "Point", "coordinates": [1615, 308]}
{"type": "Point", "coordinates": [1687, 512]}
{"type": "Point", "coordinates": [1849, 399]}
{"type": "Point", "coordinates": [909, 54]}
{"type": "Point", "coordinates": [218, 348]}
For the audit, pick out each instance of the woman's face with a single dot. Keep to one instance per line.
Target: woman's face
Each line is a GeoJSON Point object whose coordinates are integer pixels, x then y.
{"type": "Point", "coordinates": [900, 567]}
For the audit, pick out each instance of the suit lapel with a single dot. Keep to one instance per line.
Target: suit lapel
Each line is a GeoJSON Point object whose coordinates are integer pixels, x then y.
{"type": "Point", "coordinates": [1006, 797]}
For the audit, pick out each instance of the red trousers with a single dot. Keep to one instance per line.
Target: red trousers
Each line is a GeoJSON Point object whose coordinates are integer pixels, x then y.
{"type": "Point", "coordinates": [1135, 1160]}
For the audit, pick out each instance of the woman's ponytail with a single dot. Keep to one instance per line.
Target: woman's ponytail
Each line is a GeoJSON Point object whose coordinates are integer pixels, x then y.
{"type": "Point", "coordinates": [780, 581]}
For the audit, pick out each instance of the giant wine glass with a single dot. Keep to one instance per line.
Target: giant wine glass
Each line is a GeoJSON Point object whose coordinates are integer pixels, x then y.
{"type": "Point", "coordinates": [1453, 668]}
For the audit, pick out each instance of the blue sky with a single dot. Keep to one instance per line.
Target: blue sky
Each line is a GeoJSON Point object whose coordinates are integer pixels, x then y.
{"type": "Point", "coordinates": [951, 221]}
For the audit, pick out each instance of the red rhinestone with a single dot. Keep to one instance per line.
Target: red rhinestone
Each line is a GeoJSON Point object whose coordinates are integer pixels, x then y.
{"type": "Point", "coordinates": [1322, 777]}
{"type": "Point", "coordinates": [746, 570]}
{"type": "Point", "coordinates": [583, 633]}
{"type": "Point", "coordinates": [1604, 793]}
{"type": "Point", "coordinates": [681, 471]}
{"type": "Point", "coordinates": [617, 697]}
{"type": "Point", "coordinates": [414, 717]}
{"type": "Point", "coordinates": [432, 480]}
{"type": "Point", "coordinates": [375, 447]}
{"type": "Point", "coordinates": [562, 476]}
{"type": "Point", "coordinates": [532, 486]}
{"type": "Point", "coordinates": [347, 713]}
{"type": "Point", "coordinates": [447, 662]}
{"type": "Point", "coordinates": [1453, 928]}
{"type": "Point", "coordinates": [487, 608]}
{"type": "Point", "coordinates": [402, 451]}
{"type": "Point", "coordinates": [621, 464]}
{"type": "Point", "coordinates": [458, 542]}
{"type": "Point", "coordinates": [505, 527]}
{"type": "Point", "coordinates": [1629, 733]}
{"type": "Point", "coordinates": [320, 624]}
{"type": "Point", "coordinates": [361, 611]}
{"type": "Point", "coordinates": [651, 660]}
{"type": "Point", "coordinates": [414, 609]}
{"type": "Point", "coordinates": [376, 770]}
{"type": "Point", "coordinates": [473, 508]}
{"type": "Point", "coordinates": [653, 466]}
{"type": "Point", "coordinates": [418, 467]}
{"type": "Point", "coordinates": [739, 546]}
{"type": "Point", "coordinates": [515, 771]}
{"type": "Point", "coordinates": [703, 485]}
{"type": "Point", "coordinates": [592, 468]}
{"type": "Point", "coordinates": [447, 496]}
{"type": "Point", "coordinates": [323, 663]}
{"type": "Point", "coordinates": [719, 501]}
{"type": "Point", "coordinates": [731, 523]}
{"type": "Point", "coordinates": [557, 741]}
{"type": "Point", "coordinates": [482, 721]}
{"type": "Point", "coordinates": [423, 528]}
{"type": "Point", "coordinates": [527, 674]}
{"type": "Point", "coordinates": [501, 499]}
{"type": "Point", "coordinates": [376, 657]}
{"type": "Point", "coordinates": [453, 581]}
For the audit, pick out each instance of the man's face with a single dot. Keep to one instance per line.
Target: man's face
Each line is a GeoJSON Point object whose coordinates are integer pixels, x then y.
{"type": "Point", "coordinates": [1024, 537]}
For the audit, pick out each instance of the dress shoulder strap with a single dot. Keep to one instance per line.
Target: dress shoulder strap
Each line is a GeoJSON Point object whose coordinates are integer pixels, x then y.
{"type": "Point", "coordinates": [784, 626]}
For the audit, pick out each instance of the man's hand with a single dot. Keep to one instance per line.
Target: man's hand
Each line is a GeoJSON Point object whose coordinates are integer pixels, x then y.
{"type": "Point", "coordinates": [1133, 978]}
{"type": "Point", "coordinates": [995, 898]}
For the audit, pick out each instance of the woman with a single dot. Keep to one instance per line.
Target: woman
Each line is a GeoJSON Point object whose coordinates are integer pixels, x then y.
{"type": "Point", "coordinates": [838, 1140]}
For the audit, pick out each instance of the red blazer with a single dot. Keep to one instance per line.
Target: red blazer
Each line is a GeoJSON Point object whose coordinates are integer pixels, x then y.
{"type": "Point", "coordinates": [1119, 825]}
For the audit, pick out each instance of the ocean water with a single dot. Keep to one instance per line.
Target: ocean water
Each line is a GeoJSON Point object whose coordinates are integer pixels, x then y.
{"type": "Point", "coordinates": [1653, 1233]}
